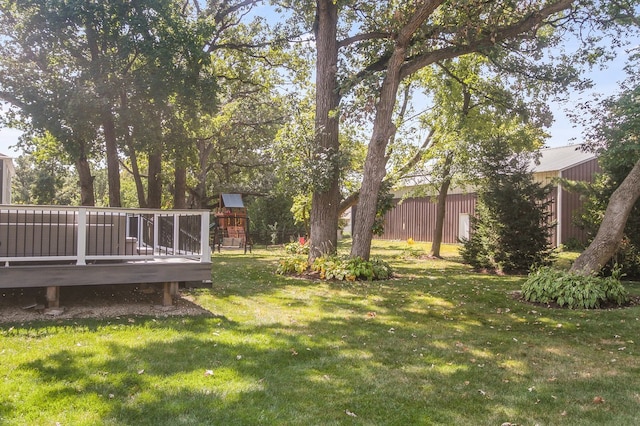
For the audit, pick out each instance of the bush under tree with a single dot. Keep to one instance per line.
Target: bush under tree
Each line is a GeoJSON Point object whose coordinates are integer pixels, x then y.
{"type": "Point", "coordinates": [331, 266]}
{"type": "Point", "coordinates": [574, 291]}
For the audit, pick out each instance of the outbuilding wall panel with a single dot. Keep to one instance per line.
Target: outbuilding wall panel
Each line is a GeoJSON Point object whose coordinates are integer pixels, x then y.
{"type": "Point", "coordinates": [572, 202]}
{"type": "Point", "coordinates": [415, 218]}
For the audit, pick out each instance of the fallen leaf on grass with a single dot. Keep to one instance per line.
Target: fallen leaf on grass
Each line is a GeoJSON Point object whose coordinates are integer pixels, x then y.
{"type": "Point", "coordinates": [141, 371]}
{"type": "Point", "coordinates": [598, 400]}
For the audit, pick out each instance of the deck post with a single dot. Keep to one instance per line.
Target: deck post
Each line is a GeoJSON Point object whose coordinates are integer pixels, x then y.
{"type": "Point", "coordinates": [176, 233]}
{"type": "Point", "coordinates": [205, 255]}
{"type": "Point", "coordinates": [53, 297]}
{"type": "Point", "coordinates": [170, 290]}
{"type": "Point", "coordinates": [82, 236]}
{"type": "Point", "coordinates": [156, 224]}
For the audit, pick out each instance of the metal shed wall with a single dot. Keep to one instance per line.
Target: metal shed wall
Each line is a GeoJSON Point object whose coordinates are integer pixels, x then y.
{"type": "Point", "coordinates": [572, 203]}
{"type": "Point", "coordinates": [415, 218]}
{"type": "Point", "coordinates": [2, 185]}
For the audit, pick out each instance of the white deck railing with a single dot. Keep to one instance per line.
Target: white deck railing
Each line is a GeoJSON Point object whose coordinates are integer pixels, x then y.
{"type": "Point", "coordinates": [83, 235]}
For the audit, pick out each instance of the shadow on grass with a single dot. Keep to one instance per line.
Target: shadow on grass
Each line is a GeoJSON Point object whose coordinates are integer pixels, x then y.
{"type": "Point", "coordinates": [438, 346]}
{"type": "Point", "coordinates": [411, 363]}
{"type": "Point", "coordinates": [290, 378]}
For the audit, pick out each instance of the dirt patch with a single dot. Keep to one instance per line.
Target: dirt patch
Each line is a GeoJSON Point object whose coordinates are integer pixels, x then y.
{"type": "Point", "coordinates": [104, 301]}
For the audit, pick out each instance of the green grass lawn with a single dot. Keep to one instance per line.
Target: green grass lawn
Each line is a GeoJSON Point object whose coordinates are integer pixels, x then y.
{"type": "Point", "coordinates": [439, 344]}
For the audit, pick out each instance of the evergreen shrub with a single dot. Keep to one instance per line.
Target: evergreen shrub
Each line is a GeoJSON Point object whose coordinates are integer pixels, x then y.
{"type": "Point", "coordinates": [510, 231]}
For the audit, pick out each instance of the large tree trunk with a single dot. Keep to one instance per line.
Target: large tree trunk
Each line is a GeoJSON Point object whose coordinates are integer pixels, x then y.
{"type": "Point", "coordinates": [87, 197]}
{"type": "Point", "coordinates": [326, 197]}
{"type": "Point", "coordinates": [376, 161]}
{"type": "Point", "coordinates": [611, 229]}
{"type": "Point", "coordinates": [135, 171]}
{"type": "Point", "coordinates": [441, 206]}
{"type": "Point", "coordinates": [383, 130]}
{"type": "Point", "coordinates": [154, 197]}
{"type": "Point", "coordinates": [113, 163]}
{"type": "Point", "coordinates": [180, 188]}
{"type": "Point", "coordinates": [199, 198]}
{"type": "Point", "coordinates": [130, 146]}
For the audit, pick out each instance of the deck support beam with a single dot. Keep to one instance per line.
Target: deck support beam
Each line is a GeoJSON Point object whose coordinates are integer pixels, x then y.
{"type": "Point", "coordinates": [53, 297]}
{"type": "Point", "coordinates": [170, 290]}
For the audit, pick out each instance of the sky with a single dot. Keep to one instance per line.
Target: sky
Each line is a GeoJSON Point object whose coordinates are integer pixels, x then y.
{"type": "Point", "coordinates": [562, 132]}
{"type": "Point", "coordinates": [606, 82]}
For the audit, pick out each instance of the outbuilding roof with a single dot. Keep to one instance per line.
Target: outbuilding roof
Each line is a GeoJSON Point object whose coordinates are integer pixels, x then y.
{"type": "Point", "coordinates": [561, 158]}
{"type": "Point", "coordinates": [232, 200]}
{"type": "Point", "coordinates": [8, 161]}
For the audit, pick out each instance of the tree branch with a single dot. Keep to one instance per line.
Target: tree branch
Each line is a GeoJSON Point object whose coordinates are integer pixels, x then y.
{"type": "Point", "coordinates": [428, 143]}
{"type": "Point", "coordinates": [485, 40]}
{"type": "Point", "coordinates": [373, 35]}
{"type": "Point", "coordinates": [128, 169]}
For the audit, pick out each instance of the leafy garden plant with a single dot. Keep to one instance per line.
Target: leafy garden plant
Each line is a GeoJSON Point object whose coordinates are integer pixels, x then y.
{"type": "Point", "coordinates": [332, 267]}
{"type": "Point", "coordinates": [292, 264]}
{"type": "Point", "coordinates": [548, 285]}
{"type": "Point", "coordinates": [297, 248]}
{"type": "Point", "coordinates": [351, 268]}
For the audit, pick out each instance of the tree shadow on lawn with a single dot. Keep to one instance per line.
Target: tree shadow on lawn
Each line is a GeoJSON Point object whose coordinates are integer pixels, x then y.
{"type": "Point", "coordinates": [240, 276]}
{"type": "Point", "coordinates": [250, 383]}
{"type": "Point", "coordinates": [98, 301]}
{"type": "Point", "coordinates": [398, 367]}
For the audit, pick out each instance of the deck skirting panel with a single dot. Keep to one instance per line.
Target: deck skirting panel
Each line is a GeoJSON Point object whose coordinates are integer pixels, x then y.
{"type": "Point", "coordinates": [101, 274]}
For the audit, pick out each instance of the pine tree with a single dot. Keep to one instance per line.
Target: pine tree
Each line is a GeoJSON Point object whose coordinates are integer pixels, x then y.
{"type": "Point", "coordinates": [510, 230]}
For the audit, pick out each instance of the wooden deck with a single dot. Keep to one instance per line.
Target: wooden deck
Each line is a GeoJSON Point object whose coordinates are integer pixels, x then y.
{"type": "Point", "coordinates": [130, 246]}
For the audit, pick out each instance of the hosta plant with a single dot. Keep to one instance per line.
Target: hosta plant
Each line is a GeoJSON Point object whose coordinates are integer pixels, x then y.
{"type": "Point", "coordinates": [548, 285]}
